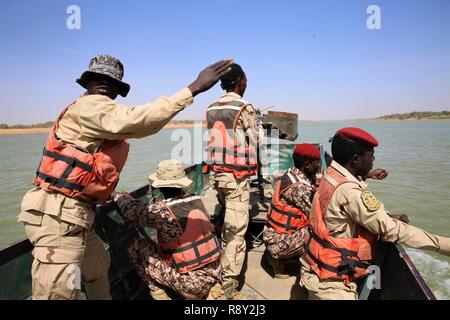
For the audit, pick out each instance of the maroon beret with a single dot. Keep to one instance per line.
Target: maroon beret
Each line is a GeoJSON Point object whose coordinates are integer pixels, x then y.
{"type": "Point", "coordinates": [358, 135]}
{"type": "Point", "coordinates": [307, 150]}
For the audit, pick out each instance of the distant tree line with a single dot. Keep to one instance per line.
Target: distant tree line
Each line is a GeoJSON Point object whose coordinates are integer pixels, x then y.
{"type": "Point", "coordinates": [417, 115]}
{"type": "Point", "coordinates": [49, 124]}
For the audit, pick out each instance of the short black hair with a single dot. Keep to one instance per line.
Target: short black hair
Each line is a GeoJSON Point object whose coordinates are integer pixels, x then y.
{"type": "Point", "coordinates": [229, 80]}
{"type": "Point", "coordinates": [344, 149]}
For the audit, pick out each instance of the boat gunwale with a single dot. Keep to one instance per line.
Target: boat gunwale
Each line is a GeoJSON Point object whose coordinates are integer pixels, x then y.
{"type": "Point", "coordinates": [22, 247]}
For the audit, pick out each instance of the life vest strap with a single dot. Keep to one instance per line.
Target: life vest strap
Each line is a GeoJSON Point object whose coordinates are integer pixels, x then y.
{"type": "Point", "coordinates": [346, 266]}
{"type": "Point", "coordinates": [352, 263]}
{"type": "Point", "coordinates": [230, 152]}
{"type": "Point", "coordinates": [69, 160]}
{"type": "Point", "coordinates": [234, 167]}
{"type": "Point", "coordinates": [192, 245]}
{"type": "Point", "coordinates": [199, 258]}
{"type": "Point", "coordinates": [57, 182]}
{"type": "Point", "coordinates": [285, 213]}
{"type": "Point", "coordinates": [339, 271]}
{"type": "Point", "coordinates": [72, 163]}
{"type": "Point", "coordinates": [344, 252]}
{"type": "Point", "coordinates": [286, 226]}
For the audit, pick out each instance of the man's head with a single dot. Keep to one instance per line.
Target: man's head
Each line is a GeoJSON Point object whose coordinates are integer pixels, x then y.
{"type": "Point", "coordinates": [103, 85]}
{"type": "Point", "coordinates": [170, 178]}
{"type": "Point", "coordinates": [353, 148]}
{"type": "Point", "coordinates": [235, 80]}
{"type": "Point", "coordinates": [104, 77]}
{"type": "Point", "coordinates": [306, 158]}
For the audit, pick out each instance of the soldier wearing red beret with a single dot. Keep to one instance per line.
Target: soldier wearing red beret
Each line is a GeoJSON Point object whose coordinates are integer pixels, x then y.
{"type": "Point", "coordinates": [285, 233]}
{"type": "Point", "coordinates": [347, 222]}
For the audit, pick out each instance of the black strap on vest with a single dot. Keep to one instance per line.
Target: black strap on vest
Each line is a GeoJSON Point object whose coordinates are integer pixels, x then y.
{"type": "Point", "coordinates": [234, 167]}
{"type": "Point", "coordinates": [69, 160]}
{"type": "Point", "coordinates": [54, 182]}
{"type": "Point", "coordinates": [290, 216]}
{"type": "Point", "coordinates": [61, 181]}
{"type": "Point", "coordinates": [346, 266]}
{"type": "Point", "coordinates": [328, 245]}
{"type": "Point", "coordinates": [194, 245]}
{"type": "Point", "coordinates": [230, 152]}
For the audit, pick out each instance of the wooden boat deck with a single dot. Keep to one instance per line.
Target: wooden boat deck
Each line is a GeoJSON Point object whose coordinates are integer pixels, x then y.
{"type": "Point", "coordinates": [261, 285]}
{"type": "Point", "coordinates": [257, 274]}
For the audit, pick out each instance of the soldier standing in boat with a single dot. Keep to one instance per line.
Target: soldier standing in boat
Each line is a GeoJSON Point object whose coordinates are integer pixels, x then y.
{"type": "Point", "coordinates": [186, 254]}
{"type": "Point", "coordinates": [231, 156]}
{"type": "Point", "coordinates": [80, 167]}
{"type": "Point", "coordinates": [285, 233]}
{"type": "Point", "coordinates": [347, 221]}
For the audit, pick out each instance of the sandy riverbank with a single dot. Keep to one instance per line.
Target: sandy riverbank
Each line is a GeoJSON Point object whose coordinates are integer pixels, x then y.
{"type": "Point", "coordinates": [6, 132]}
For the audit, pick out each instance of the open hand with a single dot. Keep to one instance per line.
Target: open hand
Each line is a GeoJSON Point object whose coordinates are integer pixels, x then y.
{"type": "Point", "coordinates": [209, 76]}
{"type": "Point", "coordinates": [378, 174]}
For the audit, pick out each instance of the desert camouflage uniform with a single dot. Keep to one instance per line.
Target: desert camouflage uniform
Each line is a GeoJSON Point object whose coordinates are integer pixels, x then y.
{"type": "Point", "coordinates": [144, 253]}
{"type": "Point", "coordinates": [285, 246]}
{"type": "Point", "coordinates": [61, 228]}
{"type": "Point", "coordinates": [234, 195]}
{"type": "Point", "coordinates": [346, 211]}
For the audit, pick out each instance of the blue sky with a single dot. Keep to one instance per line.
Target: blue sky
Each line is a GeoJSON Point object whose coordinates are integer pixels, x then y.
{"type": "Point", "coordinates": [316, 58]}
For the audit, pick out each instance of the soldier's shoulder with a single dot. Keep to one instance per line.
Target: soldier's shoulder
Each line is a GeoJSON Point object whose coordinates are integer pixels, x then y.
{"type": "Point", "coordinates": [349, 190]}
{"type": "Point", "coordinates": [95, 99]}
{"type": "Point", "coordinates": [244, 102]}
{"type": "Point", "coordinates": [93, 102]}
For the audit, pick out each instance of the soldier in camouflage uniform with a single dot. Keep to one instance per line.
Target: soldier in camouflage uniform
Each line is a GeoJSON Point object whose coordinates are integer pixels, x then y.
{"type": "Point", "coordinates": [231, 160]}
{"type": "Point", "coordinates": [285, 243]}
{"type": "Point", "coordinates": [157, 271]}
{"type": "Point", "coordinates": [281, 247]}
{"type": "Point", "coordinates": [60, 226]}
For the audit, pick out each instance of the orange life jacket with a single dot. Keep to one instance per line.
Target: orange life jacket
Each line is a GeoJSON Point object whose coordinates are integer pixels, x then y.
{"type": "Point", "coordinates": [224, 151]}
{"type": "Point", "coordinates": [284, 218]}
{"type": "Point", "coordinates": [88, 177]}
{"type": "Point", "coordinates": [198, 245]}
{"type": "Point", "coordinates": [337, 258]}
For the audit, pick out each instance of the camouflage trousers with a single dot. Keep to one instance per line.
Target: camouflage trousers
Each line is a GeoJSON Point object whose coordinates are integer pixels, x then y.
{"type": "Point", "coordinates": [64, 255]}
{"type": "Point", "coordinates": [330, 289]}
{"type": "Point", "coordinates": [235, 199]}
{"type": "Point", "coordinates": [285, 246]}
{"type": "Point", "coordinates": [157, 274]}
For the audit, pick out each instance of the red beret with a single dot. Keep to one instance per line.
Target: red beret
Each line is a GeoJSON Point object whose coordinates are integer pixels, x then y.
{"type": "Point", "coordinates": [307, 150]}
{"type": "Point", "coordinates": [358, 135]}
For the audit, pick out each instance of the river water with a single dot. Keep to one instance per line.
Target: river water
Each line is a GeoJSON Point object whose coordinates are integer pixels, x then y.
{"type": "Point", "coordinates": [416, 153]}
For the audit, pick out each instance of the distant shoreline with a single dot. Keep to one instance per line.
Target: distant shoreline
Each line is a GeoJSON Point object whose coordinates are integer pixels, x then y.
{"type": "Point", "coordinates": [20, 131]}
{"type": "Point", "coordinates": [418, 115]}
{"type": "Point", "coordinates": [199, 123]}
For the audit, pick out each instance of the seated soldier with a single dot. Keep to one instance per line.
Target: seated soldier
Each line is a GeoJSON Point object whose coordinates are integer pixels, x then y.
{"type": "Point", "coordinates": [285, 233]}
{"type": "Point", "coordinates": [347, 221]}
{"type": "Point", "coordinates": [186, 257]}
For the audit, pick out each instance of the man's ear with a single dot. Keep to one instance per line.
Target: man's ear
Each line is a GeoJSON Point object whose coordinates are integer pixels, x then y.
{"type": "Point", "coordinates": [355, 159]}
{"type": "Point", "coordinates": [308, 165]}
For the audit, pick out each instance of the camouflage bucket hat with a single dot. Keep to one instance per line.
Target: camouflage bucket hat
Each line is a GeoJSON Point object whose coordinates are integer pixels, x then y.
{"type": "Point", "coordinates": [108, 66]}
{"type": "Point", "coordinates": [170, 173]}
